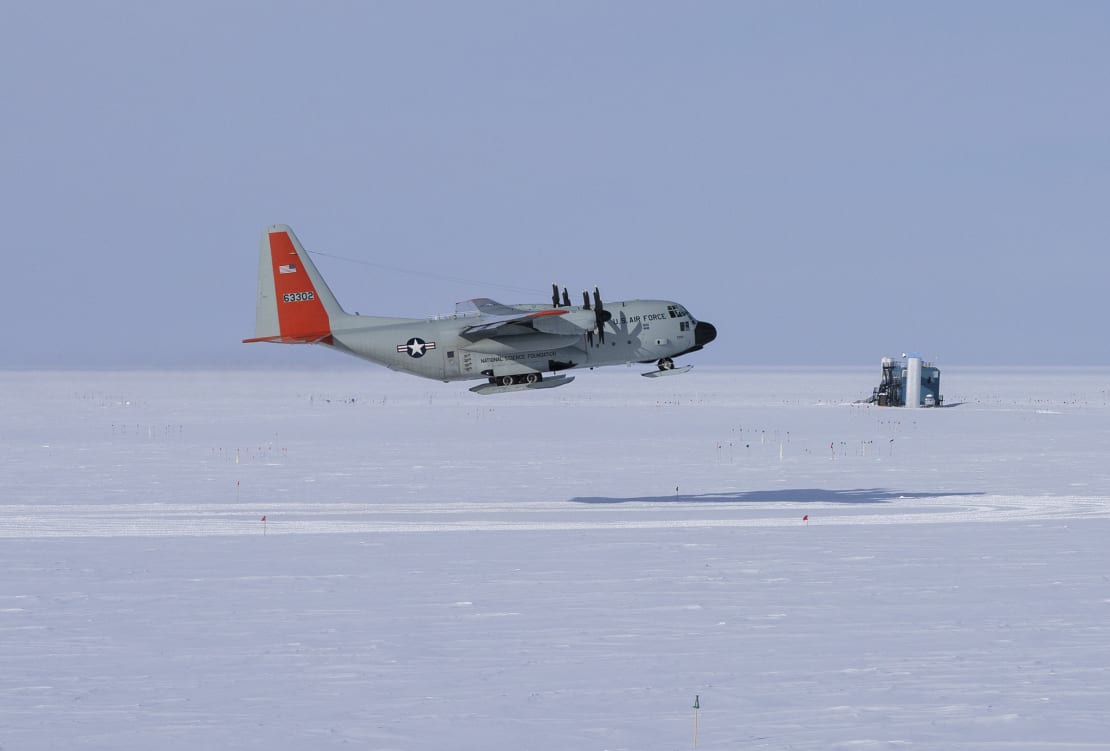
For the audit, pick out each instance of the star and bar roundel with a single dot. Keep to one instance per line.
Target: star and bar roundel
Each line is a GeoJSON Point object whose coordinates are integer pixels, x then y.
{"type": "Point", "coordinates": [416, 347]}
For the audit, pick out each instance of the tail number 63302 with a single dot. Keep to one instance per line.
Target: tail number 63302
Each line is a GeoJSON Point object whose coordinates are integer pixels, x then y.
{"type": "Point", "coordinates": [298, 296]}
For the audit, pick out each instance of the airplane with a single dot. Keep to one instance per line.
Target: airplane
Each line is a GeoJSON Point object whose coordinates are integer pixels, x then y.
{"type": "Point", "coordinates": [511, 347]}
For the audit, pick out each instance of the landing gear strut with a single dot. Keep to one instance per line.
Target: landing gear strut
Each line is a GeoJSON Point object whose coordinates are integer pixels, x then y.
{"type": "Point", "coordinates": [666, 363]}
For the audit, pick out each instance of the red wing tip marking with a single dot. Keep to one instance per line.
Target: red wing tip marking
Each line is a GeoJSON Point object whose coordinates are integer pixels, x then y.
{"type": "Point", "coordinates": [549, 313]}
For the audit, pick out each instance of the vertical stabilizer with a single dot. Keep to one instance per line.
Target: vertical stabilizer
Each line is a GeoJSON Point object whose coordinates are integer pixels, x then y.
{"type": "Point", "coordinates": [295, 305]}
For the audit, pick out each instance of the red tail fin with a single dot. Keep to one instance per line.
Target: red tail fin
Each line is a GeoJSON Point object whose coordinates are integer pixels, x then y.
{"type": "Point", "coordinates": [293, 300]}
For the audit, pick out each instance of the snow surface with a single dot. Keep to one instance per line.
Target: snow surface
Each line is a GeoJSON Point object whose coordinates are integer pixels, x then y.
{"type": "Point", "coordinates": [562, 569]}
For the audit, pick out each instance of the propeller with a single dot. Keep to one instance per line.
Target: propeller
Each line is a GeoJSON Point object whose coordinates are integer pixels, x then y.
{"type": "Point", "coordinates": [601, 315]}
{"type": "Point", "coordinates": [555, 296]}
{"type": "Point", "coordinates": [585, 300]}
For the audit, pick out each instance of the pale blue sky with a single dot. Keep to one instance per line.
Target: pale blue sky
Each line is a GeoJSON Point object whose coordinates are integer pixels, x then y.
{"type": "Point", "coordinates": [825, 182]}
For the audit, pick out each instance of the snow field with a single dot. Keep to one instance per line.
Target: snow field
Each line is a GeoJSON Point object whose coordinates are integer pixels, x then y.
{"type": "Point", "coordinates": [553, 570]}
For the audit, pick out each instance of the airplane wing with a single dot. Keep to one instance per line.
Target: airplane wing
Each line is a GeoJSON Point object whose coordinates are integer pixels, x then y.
{"type": "Point", "coordinates": [499, 320]}
{"type": "Point", "coordinates": [488, 307]}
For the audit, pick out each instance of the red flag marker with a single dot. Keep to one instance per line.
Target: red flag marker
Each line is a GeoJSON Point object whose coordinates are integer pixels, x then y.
{"type": "Point", "coordinates": [264, 518]}
{"type": "Point", "coordinates": [806, 519]}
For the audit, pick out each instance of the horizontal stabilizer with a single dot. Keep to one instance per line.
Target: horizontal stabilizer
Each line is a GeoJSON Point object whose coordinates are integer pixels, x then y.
{"type": "Point", "coordinates": [304, 339]}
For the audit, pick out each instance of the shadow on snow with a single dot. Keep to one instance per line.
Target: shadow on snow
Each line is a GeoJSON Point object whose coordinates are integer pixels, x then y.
{"type": "Point", "coordinates": [795, 495]}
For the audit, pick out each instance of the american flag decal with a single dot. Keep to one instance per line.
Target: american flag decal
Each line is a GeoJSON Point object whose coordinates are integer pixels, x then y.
{"type": "Point", "coordinates": [289, 268]}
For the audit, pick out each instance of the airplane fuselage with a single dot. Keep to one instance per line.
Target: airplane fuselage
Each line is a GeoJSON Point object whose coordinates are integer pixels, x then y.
{"type": "Point", "coordinates": [638, 331]}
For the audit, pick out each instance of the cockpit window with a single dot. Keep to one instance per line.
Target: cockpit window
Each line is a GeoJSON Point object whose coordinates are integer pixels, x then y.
{"type": "Point", "coordinates": [676, 311]}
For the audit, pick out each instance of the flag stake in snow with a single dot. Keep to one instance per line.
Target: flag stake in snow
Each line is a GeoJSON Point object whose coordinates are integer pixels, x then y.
{"type": "Point", "coordinates": [697, 706]}
{"type": "Point", "coordinates": [806, 519]}
{"type": "Point", "coordinates": [263, 525]}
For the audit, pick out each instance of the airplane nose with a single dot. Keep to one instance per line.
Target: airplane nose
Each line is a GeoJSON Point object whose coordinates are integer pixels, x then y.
{"type": "Point", "coordinates": [704, 333]}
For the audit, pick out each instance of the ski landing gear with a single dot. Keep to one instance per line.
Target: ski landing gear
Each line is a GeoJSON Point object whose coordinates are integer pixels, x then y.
{"type": "Point", "coordinates": [501, 384]}
{"type": "Point", "coordinates": [666, 367]}
{"type": "Point", "coordinates": [513, 380]}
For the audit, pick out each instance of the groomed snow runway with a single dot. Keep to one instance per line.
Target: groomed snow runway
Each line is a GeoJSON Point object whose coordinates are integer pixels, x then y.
{"type": "Point", "coordinates": [206, 520]}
